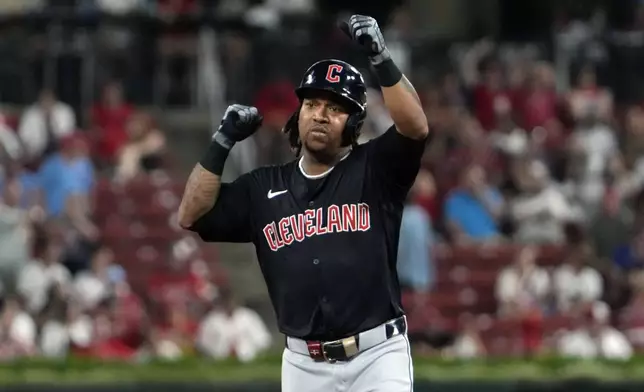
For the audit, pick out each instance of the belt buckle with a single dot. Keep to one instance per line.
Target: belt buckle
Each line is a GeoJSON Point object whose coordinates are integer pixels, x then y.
{"type": "Point", "coordinates": [324, 353]}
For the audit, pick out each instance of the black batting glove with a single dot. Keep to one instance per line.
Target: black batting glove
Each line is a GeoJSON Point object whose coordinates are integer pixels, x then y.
{"type": "Point", "coordinates": [238, 123]}
{"type": "Point", "coordinates": [364, 30]}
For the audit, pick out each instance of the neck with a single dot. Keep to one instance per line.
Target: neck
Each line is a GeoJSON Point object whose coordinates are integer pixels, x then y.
{"type": "Point", "coordinates": [316, 164]}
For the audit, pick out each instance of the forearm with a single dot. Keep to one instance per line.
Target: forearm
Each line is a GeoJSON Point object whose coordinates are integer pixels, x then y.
{"type": "Point", "coordinates": [200, 195]}
{"type": "Point", "coordinates": [402, 101]}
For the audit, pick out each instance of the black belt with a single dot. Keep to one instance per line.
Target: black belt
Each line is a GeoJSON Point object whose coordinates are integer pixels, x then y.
{"type": "Point", "coordinates": [343, 350]}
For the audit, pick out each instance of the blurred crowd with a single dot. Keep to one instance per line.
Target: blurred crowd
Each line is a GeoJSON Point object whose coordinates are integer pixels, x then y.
{"type": "Point", "coordinates": [517, 161]}
{"type": "Point", "coordinates": [70, 283]}
{"type": "Point", "coordinates": [63, 289]}
{"type": "Point", "coordinates": [525, 160]}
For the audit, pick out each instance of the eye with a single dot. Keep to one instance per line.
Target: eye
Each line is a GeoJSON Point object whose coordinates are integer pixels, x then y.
{"type": "Point", "coordinates": [309, 104]}
{"type": "Point", "coordinates": [335, 108]}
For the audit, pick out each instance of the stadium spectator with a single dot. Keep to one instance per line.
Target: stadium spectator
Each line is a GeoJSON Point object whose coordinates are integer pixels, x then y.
{"type": "Point", "coordinates": [10, 145]}
{"type": "Point", "coordinates": [176, 282]}
{"type": "Point", "coordinates": [230, 330]}
{"type": "Point", "coordinates": [594, 337]}
{"type": "Point", "coordinates": [144, 150]}
{"type": "Point", "coordinates": [611, 226]}
{"type": "Point", "coordinates": [15, 234]}
{"type": "Point", "coordinates": [17, 329]}
{"type": "Point", "coordinates": [424, 194]}
{"type": "Point", "coordinates": [40, 275]}
{"type": "Point", "coordinates": [461, 142]}
{"type": "Point", "coordinates": [631, 319]}
{"type": "Point", "coordinates": [93, 286]}
{"type": "Point", "coordinates": [473, 210]}
{"type": "Point", "coordinates": [43, 125]}
{"type": "Point", "coordinates": [588, 98]}
{"type": "Point", "coordinates": [522, 286]}
{"type": "Point", "coordinates": [540, 210]}
{"type": "Point", "coordinates": [108, 120]}
{"type": "Point", "coordinates": [107, 340]}
{"type": "Point", "coordinates": [416, 269]}
{"type": "Point", "coordinates": [67, 179]}
{"type": "Point", "coordinates": [176, 336]}
{"type": "Point", "coordinates": [54, 337]}
{"type": "Point", "coordinates": [632, 139]}
{"type": "Point", "coordinates": [538, 106]}
{"type": "Point", "coordinates": [508, 137]}
{"type": "Point", "coordinates": [576, 284]}
{"type": "Point", "coordinates": [483, 73]}
{"type": "Point", "coordinates": [78, 331]}
{"type": "Point", "coordinates": [468, 343]}
{"type": "Point", "coordinates": [593, 143]}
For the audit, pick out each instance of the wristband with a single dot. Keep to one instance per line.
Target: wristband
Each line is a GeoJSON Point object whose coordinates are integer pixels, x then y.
{"type": "Point", "coordinates": [215, 158]}
{"type": "Point", "coordinates": [388, 73]}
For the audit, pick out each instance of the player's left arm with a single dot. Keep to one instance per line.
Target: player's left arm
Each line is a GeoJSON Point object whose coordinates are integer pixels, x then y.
{"type": "Point", "coordinates": [396, 154]}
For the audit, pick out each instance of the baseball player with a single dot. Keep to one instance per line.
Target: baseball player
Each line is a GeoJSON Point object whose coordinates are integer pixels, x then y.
{"type": "Point", "coordinates": [326, 225]}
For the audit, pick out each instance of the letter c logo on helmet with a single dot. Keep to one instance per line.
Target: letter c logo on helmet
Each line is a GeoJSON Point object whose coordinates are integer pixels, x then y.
{"type": "Point", "coordinates": [333, 73]}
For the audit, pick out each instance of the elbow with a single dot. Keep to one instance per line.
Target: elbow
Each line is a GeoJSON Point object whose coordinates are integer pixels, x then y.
{"type": "Point", "coordinates": [418, 128]}
{"type": "Point", "coordinates": [423, 130]}
{"type": "Point", "coordinates": [184, 220]}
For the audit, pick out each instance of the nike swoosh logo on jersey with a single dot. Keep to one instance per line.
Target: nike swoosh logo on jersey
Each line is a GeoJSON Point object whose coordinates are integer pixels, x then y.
{"type": "Point", "coordinates": [272, 194]}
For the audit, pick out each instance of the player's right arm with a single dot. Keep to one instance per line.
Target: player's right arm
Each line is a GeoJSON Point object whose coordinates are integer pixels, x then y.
{"type": "Point", "coordinates": [209, 207]}
{"type": "Point", "coordinates": [200, 195]}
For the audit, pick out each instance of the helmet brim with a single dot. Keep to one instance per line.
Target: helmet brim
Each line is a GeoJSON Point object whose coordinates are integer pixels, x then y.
{"type": "Point", "coordinates": [343, 99]}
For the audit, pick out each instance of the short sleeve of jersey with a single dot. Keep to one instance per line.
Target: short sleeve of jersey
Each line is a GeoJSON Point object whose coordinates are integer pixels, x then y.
{"type": "Point", "coordinates": [230, 218]}
{"type": "Point", "coordinates": [395, 160]}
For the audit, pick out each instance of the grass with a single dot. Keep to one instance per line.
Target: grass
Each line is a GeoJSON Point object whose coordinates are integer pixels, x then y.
{"type": "Point", "coordinates": [268, 369]}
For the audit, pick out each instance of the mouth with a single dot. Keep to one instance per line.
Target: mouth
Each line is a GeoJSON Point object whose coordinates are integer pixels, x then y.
{"type": "Point", "coordinates": [318, 132]}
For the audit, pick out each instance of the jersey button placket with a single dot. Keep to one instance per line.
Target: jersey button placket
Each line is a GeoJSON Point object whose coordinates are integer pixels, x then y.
{"type": "Point", "coordinates": [311, 204]}
{"type": "Point", "coordinates": [316, 261]}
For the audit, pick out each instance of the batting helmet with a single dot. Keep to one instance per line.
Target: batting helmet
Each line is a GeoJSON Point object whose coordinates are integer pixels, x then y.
{"type": "Point", "coordinates": [346, 83]}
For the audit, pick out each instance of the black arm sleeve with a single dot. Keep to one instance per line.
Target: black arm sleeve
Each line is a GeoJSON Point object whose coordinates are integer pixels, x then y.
{"type": "Point", "coordinates": [395, 161]}
{"type": "Point", "coordinates": [230, 219]}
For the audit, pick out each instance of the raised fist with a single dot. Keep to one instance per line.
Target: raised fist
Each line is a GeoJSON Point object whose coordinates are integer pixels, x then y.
{"type": "Point", "coordinates": [364, 30]}
{"type": "Point", "coordinates": [238, 123]}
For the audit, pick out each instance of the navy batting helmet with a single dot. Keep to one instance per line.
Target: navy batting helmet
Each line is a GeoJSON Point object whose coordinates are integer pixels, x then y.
{"type": "Point", "coordinates": [342, 80]}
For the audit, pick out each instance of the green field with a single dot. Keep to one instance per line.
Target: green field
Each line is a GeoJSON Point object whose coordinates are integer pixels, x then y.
{"type": "Point", "coordinates": [268, 368]}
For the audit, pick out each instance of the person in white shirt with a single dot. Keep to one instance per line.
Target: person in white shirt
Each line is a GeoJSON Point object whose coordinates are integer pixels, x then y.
{"type": "Point", "coordinates": [522, 285]}
{"type": "Point", "coordinates": [541, 210]}
{"type": "Point", "coordinates": [575, 283]}
{"type": "Point", "coordinates": [231, 330]}
{"type": "Point", "coordinates": [43, 124]}
{"type": "Point", "coordinates": [93, 286]}
{"type": "Point", "coordinates": [9, 141]}
{"type": "Point", "coordinates": [595, 339]}
{"type": "Point", "coordinates": [39, 275]}
{"type": "Point", "coordinates": [18, 329]}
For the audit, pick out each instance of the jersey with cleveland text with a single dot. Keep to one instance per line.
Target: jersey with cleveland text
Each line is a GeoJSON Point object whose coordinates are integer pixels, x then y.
{"type": "Point", "coordinates": [326, 246]}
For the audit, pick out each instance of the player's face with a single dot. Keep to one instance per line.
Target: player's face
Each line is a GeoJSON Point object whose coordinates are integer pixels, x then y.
{"type": "Point", "coordinates": [321, 124]}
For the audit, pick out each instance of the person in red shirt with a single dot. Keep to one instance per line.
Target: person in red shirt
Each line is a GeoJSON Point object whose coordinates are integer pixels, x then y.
{"type": "Point", "coordinates": [108, 119]}
{"type": "Point", "coordinates": [489, 93]}
{"type": "Point", "coordinates": [539, 104]}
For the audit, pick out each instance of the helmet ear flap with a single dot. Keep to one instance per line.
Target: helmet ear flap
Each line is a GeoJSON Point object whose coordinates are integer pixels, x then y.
{"type": "Point", "coordinates": [352, 129]}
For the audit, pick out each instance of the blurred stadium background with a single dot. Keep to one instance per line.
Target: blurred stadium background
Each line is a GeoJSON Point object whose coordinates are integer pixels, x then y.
{"type": "Point", "coordinates": [522, 252]}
